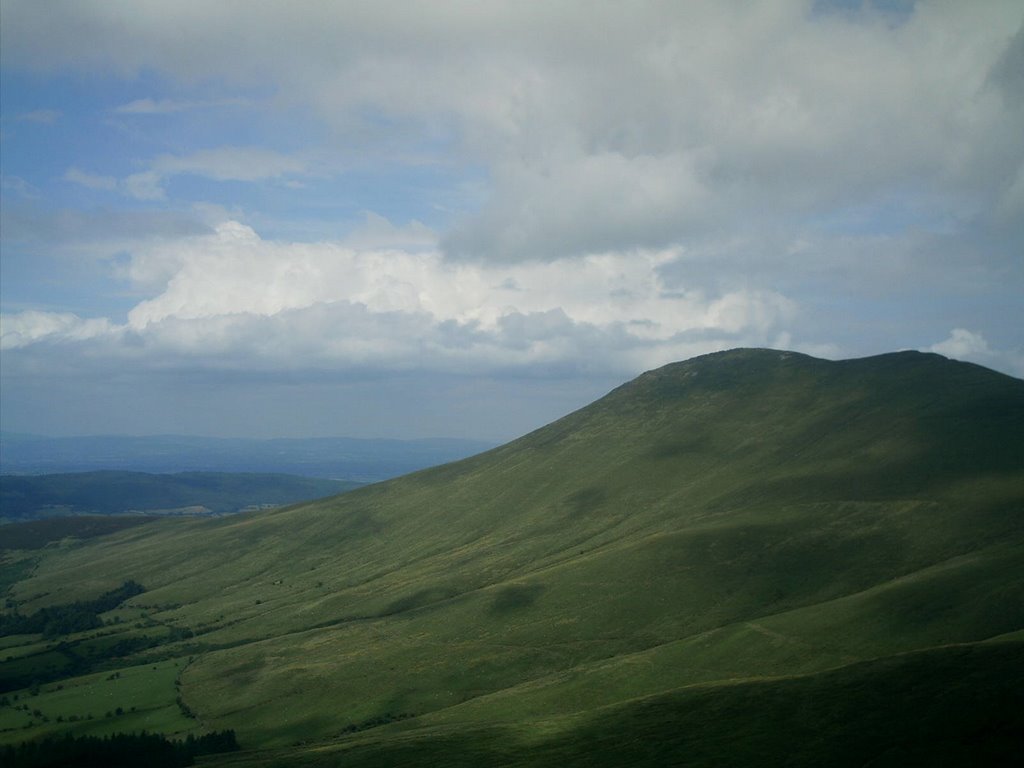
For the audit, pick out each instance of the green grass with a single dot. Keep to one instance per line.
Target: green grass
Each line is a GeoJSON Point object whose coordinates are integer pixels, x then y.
{"type": "Point", "coordinates": [130, 699]}
{"type": "Point", "coordinates": [950, 706]}
{"type": "Point", "coordinates": [740, 517]}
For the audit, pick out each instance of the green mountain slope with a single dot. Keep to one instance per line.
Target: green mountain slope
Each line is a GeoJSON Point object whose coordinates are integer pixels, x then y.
{"type": "Point", "coordinates": [951, 706]}
{"type": "Point", "coordinates": [749, 515]}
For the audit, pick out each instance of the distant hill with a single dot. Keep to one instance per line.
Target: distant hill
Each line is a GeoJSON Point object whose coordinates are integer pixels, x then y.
{"type": "Point", "coordinates": [753, 557]}
{"type": "Point", "coordinates": [35, 534]}
{"type": "Point", "coordinates": [336, 458]}
{"type": "Point", "coordinates": [28, 497]}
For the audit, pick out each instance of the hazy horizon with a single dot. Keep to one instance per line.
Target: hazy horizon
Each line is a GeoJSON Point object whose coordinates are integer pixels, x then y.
{"type": "Point", "coordinates": [194, 436]}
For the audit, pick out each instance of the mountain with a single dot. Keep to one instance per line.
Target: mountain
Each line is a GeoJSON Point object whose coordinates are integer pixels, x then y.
{"type": "Point", "coordinates": [343, 458]}
{"type": "Point", "coordinates": [751, 557]}
{"type": "Point", "coordinates": [26, 497]}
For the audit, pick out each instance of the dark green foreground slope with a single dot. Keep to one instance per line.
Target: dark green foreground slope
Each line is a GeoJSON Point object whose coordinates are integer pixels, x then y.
{"type": "Point", "coordinates": [748, 552]}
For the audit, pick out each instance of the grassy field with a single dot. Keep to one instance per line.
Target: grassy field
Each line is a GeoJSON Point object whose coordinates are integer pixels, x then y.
{"type": "Point", "coordinates": [741, 537]}
{"type": "Point", "coordinates": [130, 699]}
{"type": "Point", "coordinates": [950, 706]}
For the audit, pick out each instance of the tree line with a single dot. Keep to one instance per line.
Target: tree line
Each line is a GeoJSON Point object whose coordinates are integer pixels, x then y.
{"type": "Point", "coordinates": [122, 750]}
{"type": "Point", "coordinates": [79, 616]}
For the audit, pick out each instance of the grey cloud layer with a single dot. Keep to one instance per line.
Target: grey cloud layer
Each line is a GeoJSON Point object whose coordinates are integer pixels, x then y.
{"type": "Point", "coordinates": [617, 125]}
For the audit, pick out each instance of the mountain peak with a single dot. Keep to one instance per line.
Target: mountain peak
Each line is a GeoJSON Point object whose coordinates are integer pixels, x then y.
{"type": "Point", "coordinates": [767, 356]}
{"type": "Point", "coordinates": [759, 367]}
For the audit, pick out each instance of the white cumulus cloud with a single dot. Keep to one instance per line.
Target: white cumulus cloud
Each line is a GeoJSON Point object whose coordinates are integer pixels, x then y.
{"type": "Point", "coordinates": [234, 298]}
{"type": "Point", "coordinates": [23, 329]}
{"type": "Point", "coordinates": [962, 344]}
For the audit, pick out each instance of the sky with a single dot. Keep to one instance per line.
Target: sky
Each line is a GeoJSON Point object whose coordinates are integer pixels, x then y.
{"type": "Point", "coordinates": [466, 219]}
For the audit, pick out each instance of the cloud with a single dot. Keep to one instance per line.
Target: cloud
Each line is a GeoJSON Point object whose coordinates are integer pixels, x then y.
{"type": "Point", "coordinates": [962, 343]}
{"type": "Point", "coordinates": [247, 164]}
{"type": "Point", "coordinates": [232, 298]}
{"type": "Point", "coordinates": [388, 299]}
{"type": "Point", "coordinates": [30, 327]}
{"type": "Point", "coordinates": [90, 180]}
{"type": "Point", "coordinates": [231, 164]}
{"type": "Point", "coordinates": [578, 205]}
{"type": "Point", "coordinates": [377, 232]}
{"type": "Point", "coordinates": [645, 122]}
{"type": "Point", "coordinates": [144, 186]}
{"type": "Point", "coordinates": [148, 106]}
{"type": "Point", "coordinates": [20, 187]}
{"type": "Point", "coordinates": [44, 116]}
{"type": "Point", "coordinates": [102, 230]}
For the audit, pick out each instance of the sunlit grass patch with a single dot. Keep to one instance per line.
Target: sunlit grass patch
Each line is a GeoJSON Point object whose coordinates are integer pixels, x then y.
{"type": "Point", "coordinates": [142, 697]}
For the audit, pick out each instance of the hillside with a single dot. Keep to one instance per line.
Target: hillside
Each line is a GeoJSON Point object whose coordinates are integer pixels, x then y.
{"type": "Point", "coordinates": [27, 497]}
{"type": "Point", "coordinates": [750, 534]}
